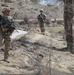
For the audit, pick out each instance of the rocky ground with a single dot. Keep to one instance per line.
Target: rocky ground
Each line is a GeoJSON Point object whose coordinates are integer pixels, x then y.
{"type": "Point", "coordinates": [37, 54]}
{"type": "Point", "coordinates": [34, 53]}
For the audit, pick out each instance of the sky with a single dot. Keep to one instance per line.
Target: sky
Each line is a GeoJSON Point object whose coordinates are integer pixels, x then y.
{"type": "Point", "coordinates": [52, 2]}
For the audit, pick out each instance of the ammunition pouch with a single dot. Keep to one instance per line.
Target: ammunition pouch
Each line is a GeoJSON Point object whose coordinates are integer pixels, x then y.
{"type": "Point", "coordinates": [10, 28]}
{"type": "Point", "coordinates": [7, 24]}
{"type": "Point", "coordinates": [40, 18]}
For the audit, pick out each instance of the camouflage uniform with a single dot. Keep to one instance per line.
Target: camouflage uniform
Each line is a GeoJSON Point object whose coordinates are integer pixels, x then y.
{"type": "Point", "coordinates": [7, 41]}
{"type": "Point", "coordinates": [5, 35]}
{"type": "Point", "coordinates": [41, 18]}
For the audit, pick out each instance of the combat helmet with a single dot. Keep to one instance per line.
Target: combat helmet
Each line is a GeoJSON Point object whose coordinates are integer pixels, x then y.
{"type": "Point", "coordinates": [5, 9]}
{"type": "Point", "coordinates": [41, 10]}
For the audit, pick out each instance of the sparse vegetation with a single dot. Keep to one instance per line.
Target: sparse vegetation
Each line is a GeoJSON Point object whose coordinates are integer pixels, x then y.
{"type": "Point", "coordinates": [34, 53]}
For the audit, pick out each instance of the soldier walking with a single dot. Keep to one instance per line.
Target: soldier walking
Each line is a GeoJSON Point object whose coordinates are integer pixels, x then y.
{"type": "Point", "coordinates": [41, 19]}
{"type": "Point", "coordinates": [5, 31]}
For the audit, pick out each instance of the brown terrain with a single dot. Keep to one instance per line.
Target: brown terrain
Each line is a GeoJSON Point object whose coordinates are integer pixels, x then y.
{"type": "Point", "coordinates": [34, 53]}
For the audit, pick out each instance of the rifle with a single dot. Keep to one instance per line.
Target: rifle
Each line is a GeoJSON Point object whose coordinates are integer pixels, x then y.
{"type": "Point", "coordinates": [17, 31]}
{"type": "Point", "coordinates": [8, 25]}
{"type": "Point", "coordinates": [41, 18]}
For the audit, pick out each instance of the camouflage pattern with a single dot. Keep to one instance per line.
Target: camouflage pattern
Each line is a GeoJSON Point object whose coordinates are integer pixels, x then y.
{"type": "Point", "coordinates": [5, 9]}
{"type": "Point", "coordinates": [7, 41]}
{"type": "Point", "coordinates": [41, 18]}
{"type": "Point", "coordinates": [42, 27]}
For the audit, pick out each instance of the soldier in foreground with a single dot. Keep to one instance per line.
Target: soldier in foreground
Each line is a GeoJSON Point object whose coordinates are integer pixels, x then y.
{"type": "Point", "coordinates": [41, 19]}
{"type": "Point", "coordinates": [6, 29]}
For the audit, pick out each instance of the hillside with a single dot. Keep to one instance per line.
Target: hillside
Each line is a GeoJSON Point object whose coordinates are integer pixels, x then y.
{"type": "Point", "coordinates": [31, 9]}
{"type": "Point", "coordinates": [37, 54]}
{"type": "Point", "coordinates": [34, 53]}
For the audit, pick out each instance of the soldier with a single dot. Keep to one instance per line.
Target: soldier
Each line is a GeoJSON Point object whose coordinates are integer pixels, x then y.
{"type": "Point", "coordinates": [41, 18]}
{"type": "Point", "coordinates": [5, 29]}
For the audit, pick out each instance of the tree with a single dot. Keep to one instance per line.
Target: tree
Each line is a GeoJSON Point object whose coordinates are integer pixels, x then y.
{"type": "Point", "coordinates": [68, 18]}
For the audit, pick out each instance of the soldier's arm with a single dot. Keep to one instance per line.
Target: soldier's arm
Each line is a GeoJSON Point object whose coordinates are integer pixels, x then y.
{"type": "Point", "coordinates": [1, 25]}
{"type": "Point", "coordinates": [38, 17]}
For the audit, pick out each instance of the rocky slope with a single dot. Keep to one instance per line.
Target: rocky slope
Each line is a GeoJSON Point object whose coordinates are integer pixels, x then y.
{"type": "Point", "coordinates": [31, 9]}
{"type": "Point", "coordinates": [34, 53]}
{"type": "Point", "coordinates": [37, 54]}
